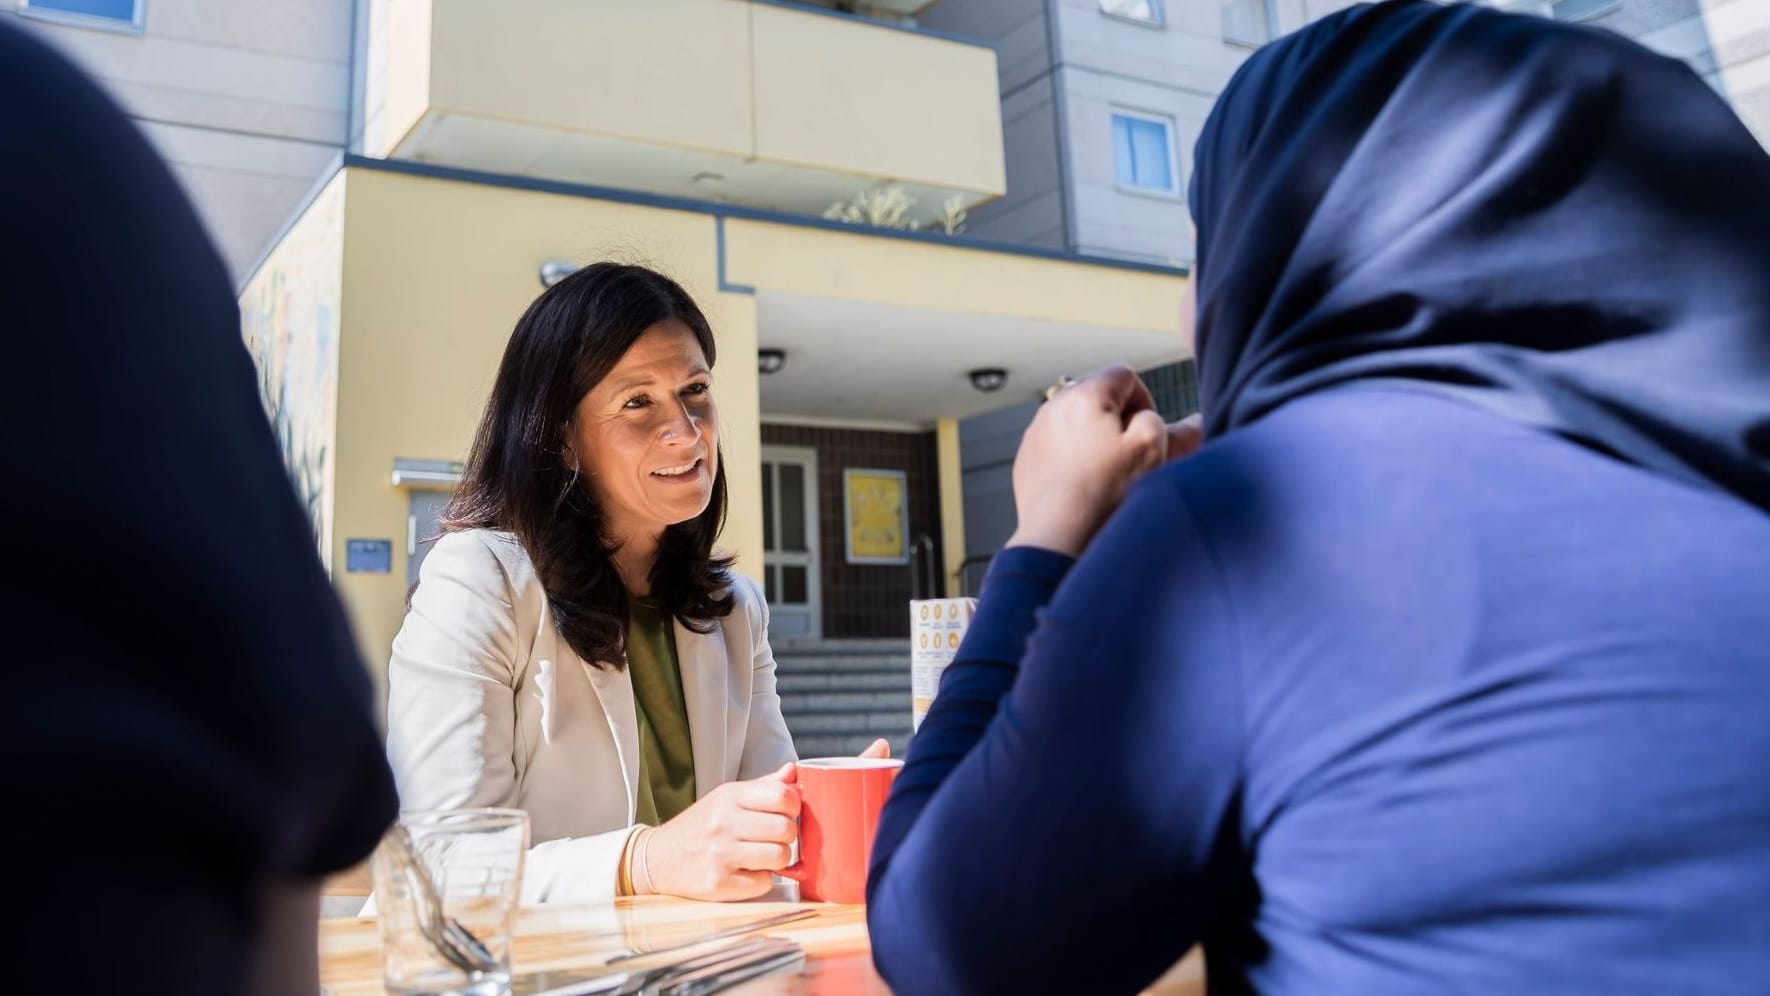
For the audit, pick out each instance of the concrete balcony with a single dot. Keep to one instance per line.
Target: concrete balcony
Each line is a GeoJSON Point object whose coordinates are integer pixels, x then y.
{"type": "Point", "coordinates": [747, 101]}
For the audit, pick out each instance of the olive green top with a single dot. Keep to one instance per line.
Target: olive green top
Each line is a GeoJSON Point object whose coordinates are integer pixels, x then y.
{"type": "Point", "coordinates": [666, 753]}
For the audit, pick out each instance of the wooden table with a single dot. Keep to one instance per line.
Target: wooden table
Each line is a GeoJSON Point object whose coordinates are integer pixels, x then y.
{"type": "Point", "coordinates": [838, 959]}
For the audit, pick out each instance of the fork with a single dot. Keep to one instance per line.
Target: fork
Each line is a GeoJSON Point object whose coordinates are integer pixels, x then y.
{"type": "Point", "coordinates": [446, 934]}
{"type": "Point", "coordinates": [747, 927]}
{"type": "Point", "coordinates": [705, 969]}
{"type": "Point", "coordinates": [774, 956]}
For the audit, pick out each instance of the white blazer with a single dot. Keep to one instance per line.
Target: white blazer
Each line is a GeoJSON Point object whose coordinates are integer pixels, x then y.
{"type": "Point", "coordinates": [488, 706]}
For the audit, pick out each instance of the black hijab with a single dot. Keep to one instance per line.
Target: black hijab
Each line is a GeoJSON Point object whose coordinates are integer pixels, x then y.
{"type": "Point", "coordinates": [1548, 221]}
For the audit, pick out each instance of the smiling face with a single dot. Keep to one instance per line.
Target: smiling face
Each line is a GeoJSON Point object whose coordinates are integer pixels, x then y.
{"type": "Point", "coordinates": [647, 435]}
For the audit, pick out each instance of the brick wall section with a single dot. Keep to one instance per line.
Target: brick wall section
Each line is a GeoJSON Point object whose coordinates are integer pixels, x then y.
{"type": "Point", "coordinates": [865, 600]}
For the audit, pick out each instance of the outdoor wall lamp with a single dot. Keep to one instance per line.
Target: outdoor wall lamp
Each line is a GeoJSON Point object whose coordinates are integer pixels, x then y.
{"type": "Point", "coordinates": [988, 378]}
{"type": "Point", "coordinates": [555, 270]}
{"type": "Point", "coordinates": [770, 360]}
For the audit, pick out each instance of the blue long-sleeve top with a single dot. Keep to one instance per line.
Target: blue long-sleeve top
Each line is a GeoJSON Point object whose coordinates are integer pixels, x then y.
{"type": "Point", "coordinates": [1381, 694]}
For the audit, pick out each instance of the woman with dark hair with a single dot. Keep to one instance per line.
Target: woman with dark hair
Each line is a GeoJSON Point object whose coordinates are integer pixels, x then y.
{"type": "Point", "coordinates": [574, 646]}
{"type": "Point", "coordinates": [1444, 664]}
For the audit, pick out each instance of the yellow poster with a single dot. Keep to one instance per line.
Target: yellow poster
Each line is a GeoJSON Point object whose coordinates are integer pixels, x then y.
{"type": "Point", "coordinates": [878, 519]}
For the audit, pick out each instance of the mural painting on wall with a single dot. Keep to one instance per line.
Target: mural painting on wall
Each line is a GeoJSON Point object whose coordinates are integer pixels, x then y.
{"type": "Point", "coordinates": [289, 314]}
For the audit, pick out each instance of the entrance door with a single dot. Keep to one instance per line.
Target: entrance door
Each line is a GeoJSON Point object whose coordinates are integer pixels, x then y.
{"type": "Point", "coordinates": [423, 522]}
{"type": "Point", "coordinates": [789, 541]}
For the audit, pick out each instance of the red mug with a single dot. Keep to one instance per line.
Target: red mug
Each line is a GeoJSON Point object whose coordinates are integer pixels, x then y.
{"type": "Point", "coordinates": [840, 799]}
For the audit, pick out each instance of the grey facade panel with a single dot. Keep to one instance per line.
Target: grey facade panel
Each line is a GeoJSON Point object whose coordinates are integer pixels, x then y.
{"type": "Point", "coordinates": [1637, 17]}
{"type": "Point", "coordinates": [1186, 52]}
{"type": "Point", "coordinates": [987, 444]}
{"type": "Point", "coordinates": [993, 437]}
{"type": "Point", "coordinates": [1032, 209]}
{"type": "Point", "coordinates": [1036, 222]}
{"type": "Point", "coordinates": [1033, 203]}
{"type": "Point", "coordinates": [1110, 220]}
{"type": "Point", "coordinates": [1016, 27]}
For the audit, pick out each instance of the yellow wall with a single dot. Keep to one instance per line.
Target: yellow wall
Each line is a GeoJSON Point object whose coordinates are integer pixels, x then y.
{"type": "Point", "coordinates": [738, 389]}
{"type": "Point", "coordinates": [870, 100]}
{"type": "Point", "coordinates": [952, 503]}
{"type": "Point", "coordinates": [676, 72]}
{"type": "Point", "coordinates": [730, 77]}
{"type": "Point", "coordinates": [435, 275]}
{"type": "Point", "coordinates": [399, 90]}
{"type": "Point", "coordinates": [861, 267]}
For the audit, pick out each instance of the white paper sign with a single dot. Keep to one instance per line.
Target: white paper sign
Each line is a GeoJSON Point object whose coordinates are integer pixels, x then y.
{"type": "Point", "coordinates": [937, 625]}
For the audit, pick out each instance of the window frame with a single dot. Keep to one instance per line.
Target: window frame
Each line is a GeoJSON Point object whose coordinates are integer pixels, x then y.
{"type": "Point", "coordinates": [1158, 21]}
{"type": "Point", "coordinates": [1171, 129]}
{"type": "Point", "coordinates": [134, 26]}
{"type": "Point", "coordinates": [1272, 29]}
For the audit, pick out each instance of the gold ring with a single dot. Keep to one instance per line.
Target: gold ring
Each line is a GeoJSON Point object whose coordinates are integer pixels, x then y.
{"type": "Point", "coordinates": [1062, 382]}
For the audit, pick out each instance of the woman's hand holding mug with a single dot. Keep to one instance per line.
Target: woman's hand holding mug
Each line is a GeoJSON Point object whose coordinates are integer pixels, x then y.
{"type": "Point", "coordinates": [728, 845]}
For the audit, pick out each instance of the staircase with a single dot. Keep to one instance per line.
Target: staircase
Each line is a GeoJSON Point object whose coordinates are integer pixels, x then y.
{"type": "Point", "coordinates": [838, 696]}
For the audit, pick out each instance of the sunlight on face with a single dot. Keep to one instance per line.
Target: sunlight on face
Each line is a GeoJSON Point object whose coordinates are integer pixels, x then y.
{"type": "Point", "coordinates": [648, 435]}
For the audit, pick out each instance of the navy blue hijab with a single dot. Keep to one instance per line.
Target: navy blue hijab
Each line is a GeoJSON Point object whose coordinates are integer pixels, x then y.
{"type": "Point", "coordinates": [1547, 221]}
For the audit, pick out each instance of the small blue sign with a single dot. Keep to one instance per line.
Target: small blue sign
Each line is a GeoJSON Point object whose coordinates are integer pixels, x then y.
{"type": "Point", "coordinates": [362, 556]}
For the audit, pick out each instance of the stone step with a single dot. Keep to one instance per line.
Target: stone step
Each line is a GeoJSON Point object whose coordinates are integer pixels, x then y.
{"type": "Point", "coordinates": [846, 745]}
{"type": "Point", "coordinates": [842, 648]}
{"type": "Point", "coordinates": [810, 703]}
{"type": "Point", "coordinates": [820, 663]}
{"type": "Point", "coordinates": [843, 681]}
{"type": "Point", "coordinates": [879, 723]}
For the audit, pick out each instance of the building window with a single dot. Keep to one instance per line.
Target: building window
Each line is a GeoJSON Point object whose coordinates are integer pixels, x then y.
{"type": "Point", "coordinates": [1581, 10]}
{"type": "Point", "coordinates": [1143, 11]}
{"type": "Point", "coordinates": [1143, 152]}
{"type": "Point", "coordinates": [114, 14]}
{"type": "Point", "coordinates": [1249, 23]}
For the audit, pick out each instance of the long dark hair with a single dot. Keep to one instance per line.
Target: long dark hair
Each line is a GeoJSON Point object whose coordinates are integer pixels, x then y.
{"type": "Point", "coordinates": [516, 478]}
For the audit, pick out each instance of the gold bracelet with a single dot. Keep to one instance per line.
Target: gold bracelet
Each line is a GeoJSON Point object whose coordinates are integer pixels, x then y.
{"type": "Point", "coordinates": [644, 868]}
{"type": "Point", "coordinates": [624, 885]}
